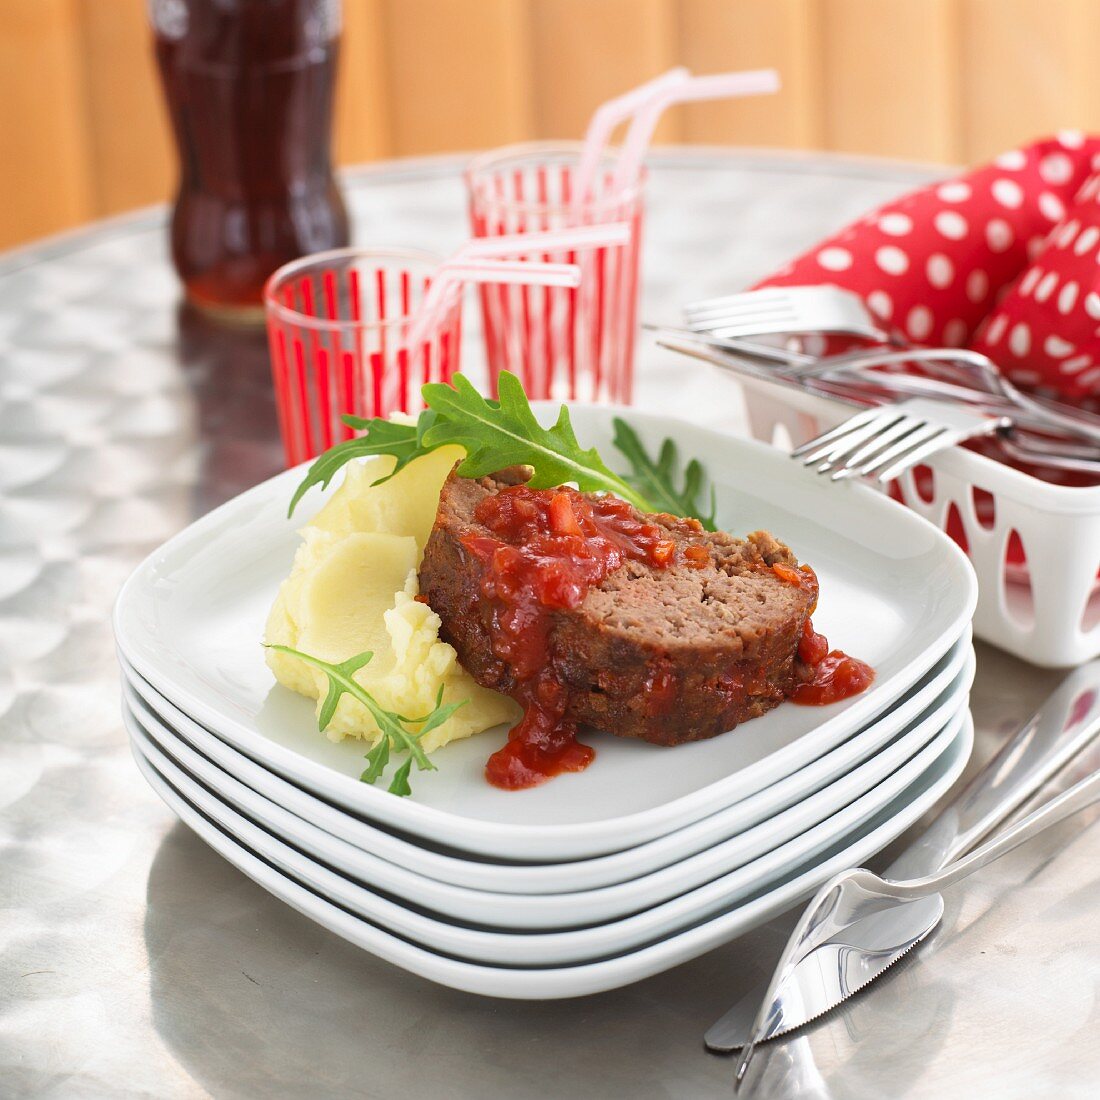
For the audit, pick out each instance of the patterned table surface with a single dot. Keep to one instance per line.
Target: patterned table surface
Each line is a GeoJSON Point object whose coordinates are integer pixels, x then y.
{"type": "Point", "coordinates": [137, 962]}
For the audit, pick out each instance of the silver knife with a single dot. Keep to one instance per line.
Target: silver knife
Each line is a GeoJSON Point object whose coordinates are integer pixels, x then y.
{"type": "Point", "coordinates": [1066, 722]}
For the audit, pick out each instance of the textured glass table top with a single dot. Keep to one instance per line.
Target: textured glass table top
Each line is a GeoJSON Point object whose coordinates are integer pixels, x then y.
{"type": "Point", "coordinates": [137, 962]}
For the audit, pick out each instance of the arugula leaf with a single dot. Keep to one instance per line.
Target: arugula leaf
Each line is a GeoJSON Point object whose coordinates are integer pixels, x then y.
{"type": "Point", "coordinates": [497, 434]}
{"type": "Point", "coordinates": [337, 675]}
{"type": "Point", "coordinates": [400, 782]}
{"type": "Point", "coordinates": [377, 759]}
{"type": "Point", "coordinates": [384, 437]}
{"type": "Point", "coordinates": [656, 479]}
{"type": "Point", "coordinates": [394, 732]}
{"type": "Point", "coordinates": [438, 716]}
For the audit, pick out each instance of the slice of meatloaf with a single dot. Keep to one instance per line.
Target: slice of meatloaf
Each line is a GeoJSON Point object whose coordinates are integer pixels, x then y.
{"type": "Point", "coordinates": [666, 655]}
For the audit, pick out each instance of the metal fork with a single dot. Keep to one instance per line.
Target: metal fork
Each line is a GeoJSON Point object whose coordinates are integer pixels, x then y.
{"type": "Point", "coordinates": [974, 368]}
{"type": "Point", "coordinates": [843, 311]}
{"type": "Point", "coordinates": [889, 439]}
{"type": "Point", "coordinates": [787, 310]}
{"type": "Point", "coordinates": [834, 380]}
{"type": "Point", "coordinates": [980, 375]}
{"type": "Point", "coordinates": [981, 421]}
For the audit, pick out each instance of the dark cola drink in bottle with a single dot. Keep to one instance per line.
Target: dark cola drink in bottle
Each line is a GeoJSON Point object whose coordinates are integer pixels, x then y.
{"type": "Point", "coordinates": [249, 86]}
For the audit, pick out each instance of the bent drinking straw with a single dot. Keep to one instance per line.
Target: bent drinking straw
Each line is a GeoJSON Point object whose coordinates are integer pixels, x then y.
{"type": "Point", "coordinates": [482, 261]}
{"type": "Point", "coordinates": [458, 271]}
{"type": "Point", "coordinates": [574, 238]}
{"type": "Point", "coordinates": [607, 116]}
{"type": "Point", "coordinates": [694, 89]}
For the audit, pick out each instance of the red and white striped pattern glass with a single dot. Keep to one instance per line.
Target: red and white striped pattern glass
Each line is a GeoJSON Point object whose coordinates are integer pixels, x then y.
{"type": "Point", "coordinates": [337, 325]}
{"type": "Point", "coordinates": [563, 343]}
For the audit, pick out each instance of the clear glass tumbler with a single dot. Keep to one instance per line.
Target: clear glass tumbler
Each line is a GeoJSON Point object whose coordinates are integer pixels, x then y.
{"type": "Point", "coordinates": [564, 343]}
{"type": "Point", "coordinates": [338, 325]}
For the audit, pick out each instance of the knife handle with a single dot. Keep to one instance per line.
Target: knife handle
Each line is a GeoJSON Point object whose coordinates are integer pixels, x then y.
{"type": "Point", "coordinates": [1066, 722]}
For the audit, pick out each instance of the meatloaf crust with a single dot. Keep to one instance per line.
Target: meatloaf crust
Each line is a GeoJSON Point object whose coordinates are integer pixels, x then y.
{"type": "Point", "coordinates": [664, 655]}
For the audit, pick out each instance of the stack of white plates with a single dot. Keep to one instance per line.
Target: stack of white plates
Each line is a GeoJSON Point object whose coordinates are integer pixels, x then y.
{"type": "Point", "coordinates": [650, 857]}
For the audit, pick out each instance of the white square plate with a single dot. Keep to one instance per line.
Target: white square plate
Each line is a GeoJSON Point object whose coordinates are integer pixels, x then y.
{"type": "Point", "coordinates": [584, 891]}
{"type": "Point", "coordinates": [799, 881]}
{"type": "Point", "coordinates": [672, 897]}
{"type": "Point", "coordinates": [895, 591]}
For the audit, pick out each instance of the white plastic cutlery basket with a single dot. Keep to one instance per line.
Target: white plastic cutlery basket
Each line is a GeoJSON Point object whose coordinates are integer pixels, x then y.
{"type": "Point", "coordinates": [1043, 605]}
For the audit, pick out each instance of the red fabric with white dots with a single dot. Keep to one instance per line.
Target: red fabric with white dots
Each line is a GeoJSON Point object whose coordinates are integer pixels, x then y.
{"type": "Point", "coordinates": [1004, 259]}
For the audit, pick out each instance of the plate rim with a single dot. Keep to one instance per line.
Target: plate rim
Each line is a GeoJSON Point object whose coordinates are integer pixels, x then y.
{"type": "Point", "coordinates": [594, 977]}
{"type": "Point", "coordinates": [702, 835]}
{"type": "Point", "coordinates": [583, 908]}
{"type": "Point", "coordinates": [599, 940]}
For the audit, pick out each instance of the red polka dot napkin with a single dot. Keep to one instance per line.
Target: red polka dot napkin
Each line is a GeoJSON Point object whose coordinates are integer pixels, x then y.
{"type": "Point", "coordinates": [1004, 259]}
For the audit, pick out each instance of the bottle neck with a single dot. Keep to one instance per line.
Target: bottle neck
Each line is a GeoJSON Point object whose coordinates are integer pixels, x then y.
{"type": "Point", "coordinates": [208, 35]}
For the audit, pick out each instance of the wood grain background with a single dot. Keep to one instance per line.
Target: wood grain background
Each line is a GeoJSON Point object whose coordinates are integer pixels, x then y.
{"type": "Point", "coordinates": [82, 131]}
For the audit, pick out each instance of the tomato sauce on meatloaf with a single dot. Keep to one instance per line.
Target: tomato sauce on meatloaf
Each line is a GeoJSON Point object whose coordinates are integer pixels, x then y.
{"type": "Point", "coordinates": [590, 612]}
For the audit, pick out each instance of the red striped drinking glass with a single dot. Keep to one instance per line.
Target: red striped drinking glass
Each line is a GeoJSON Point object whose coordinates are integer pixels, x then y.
{"type": "Point", "coordinates": [337, 326]}
{"type": "Point", "coordinates": [564, 343]}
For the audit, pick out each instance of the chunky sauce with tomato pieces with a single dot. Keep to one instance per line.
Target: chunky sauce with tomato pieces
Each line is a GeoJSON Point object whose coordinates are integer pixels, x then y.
{"type": "Point", "coordinates": [835, 676]}
{"type": "Point", "coordinates": [546, 549]}
{"type": "Point", "coordinates": [549, 547]}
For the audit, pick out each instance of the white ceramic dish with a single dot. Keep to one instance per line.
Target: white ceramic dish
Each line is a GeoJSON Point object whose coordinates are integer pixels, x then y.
{"type": "Point", "coordinates": [555, 946]}
{"type": "Point", "coordinates": [720, 868]}
{"type": "Point", "coordinates": [576, 981]}
{"type": "Point", "coordinates": [708, 836]}
{"type": "Point", "coordinates": [896, 591]}
{"type": "Point", "coordinates": [551, 948]}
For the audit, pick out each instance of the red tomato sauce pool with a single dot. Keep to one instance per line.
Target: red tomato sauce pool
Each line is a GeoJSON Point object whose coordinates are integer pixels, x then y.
{"type": "Point", "coordinates": [835, 675]}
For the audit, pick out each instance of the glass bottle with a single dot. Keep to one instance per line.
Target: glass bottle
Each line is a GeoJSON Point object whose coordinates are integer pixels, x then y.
{"type": "Point", "coordinates": [249, 86]}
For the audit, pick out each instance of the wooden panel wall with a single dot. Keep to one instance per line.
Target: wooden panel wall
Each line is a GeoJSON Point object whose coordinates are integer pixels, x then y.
{"type": "Point", "coordinates": [580, 57]}
{"type": "Point", "coordinates": [1033, 67]}
{"type": "Point", "coordinates": [458, 73]}
{"type": "Point", "coordinates": [82, 131]}
{"type": "Point", "coordinates": [362, 121]}
{"type": "Point", "coordinates": [717, 35]}
{"type": "Point", "coordinates": [130, 151]}
{"type": "Point", "coordinates": [45, 147]}
{"type": "Point", "coordinates": [898, 101]}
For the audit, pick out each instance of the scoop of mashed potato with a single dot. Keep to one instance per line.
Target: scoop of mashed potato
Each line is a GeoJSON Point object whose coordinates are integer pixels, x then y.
{"type": "Point", "coordinates": [352, 588]}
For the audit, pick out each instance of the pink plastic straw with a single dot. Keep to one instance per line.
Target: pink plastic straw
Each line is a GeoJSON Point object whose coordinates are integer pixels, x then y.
{"type": "Point", "coordinates": [548, 240]}
{"type": "Point", "coordinates": [715, 86]}
{"type": "Point", "coordinates": [481, 260]}
{"type": "Point", "coordinates": [511, 271]}
{"type": "Point", "coordinates": [461, 269]}
{"type": "Point", "coordinates": [608, 116]}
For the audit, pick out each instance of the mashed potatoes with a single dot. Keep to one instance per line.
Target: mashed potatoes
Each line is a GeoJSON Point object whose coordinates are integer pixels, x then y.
{"type": "Point", "coordinates": [352, 588]}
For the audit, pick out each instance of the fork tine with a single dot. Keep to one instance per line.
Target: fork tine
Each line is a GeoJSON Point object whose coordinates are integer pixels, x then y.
{"type": "Point", "coordinates": [775, 323]}
{"type": "Point", "coordinates": [834, 433]}
{"type": "Point", "coordinates": [738, 301]}
{"type": "Point", "coordinates": [732, 301]}
{"type": "Point", "coordinates": [887, 440]}
{"type": "Point", "coordinates": [816, 294]}
{"type": "Point", "coordinates": [753, 309]}
{"type": "Point", "coordinates": [840, 450]}
{"type": "Point", "coordinates": [843, 445]}
{"type": "Point", "coordinates": [913, 457]}
{"type": "Point", "coordinates": [901, 450]}
{"type": "Point", "coordinates": [771, 321]}
{"type": "Point", "coordinates": [892, 434]}
{"type": "Point", "coordinates": [740, 310]}
{"type": "Point", "coordinates": [788, 309]}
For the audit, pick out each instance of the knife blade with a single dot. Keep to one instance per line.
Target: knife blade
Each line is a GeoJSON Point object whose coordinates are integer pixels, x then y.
{"type": "Point", "coordinates": [1062, 726]}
